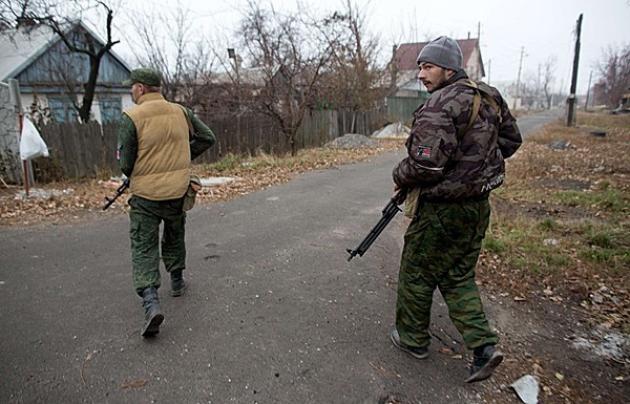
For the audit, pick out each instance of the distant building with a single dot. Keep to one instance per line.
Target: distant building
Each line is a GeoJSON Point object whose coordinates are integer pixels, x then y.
{"type": "Point", "coordinates": [404, 59]}
{"type": "Point", "coordinates": [51, 77]}
{"type": "Point", "coordinates": [406, 91]}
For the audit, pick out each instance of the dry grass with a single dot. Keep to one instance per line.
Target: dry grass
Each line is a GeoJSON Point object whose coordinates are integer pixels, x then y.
{"type": "Point", "coordinates": [264, 170]}
{"type": "Point", "coordinates": [561, 226]}
{"type": "Point", "coordinates": [560, 240]}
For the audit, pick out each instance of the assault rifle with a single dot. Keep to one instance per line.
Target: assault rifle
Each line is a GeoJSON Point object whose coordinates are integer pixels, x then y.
{"type": "Point", "coordinates": [388, 214]}
{"type": "Point", "coordinates": [121, 189]}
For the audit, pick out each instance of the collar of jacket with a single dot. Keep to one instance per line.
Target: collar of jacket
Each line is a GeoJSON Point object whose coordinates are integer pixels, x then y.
{"type": "Point", "coordinates": [150, 97]}
{"type": "Point", "coordinates": [461, 74]}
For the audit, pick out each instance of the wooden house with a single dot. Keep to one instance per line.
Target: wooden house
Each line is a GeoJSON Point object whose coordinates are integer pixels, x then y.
{"type": "Point", "coordinates": [51, 77]}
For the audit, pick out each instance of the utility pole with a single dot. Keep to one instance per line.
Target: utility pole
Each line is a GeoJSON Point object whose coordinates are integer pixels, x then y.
{"type": "Point", "coordinates": [588, 91]}
{"type": "Point", "coordinates": [538, 85]}
{"type": "Point", "coordinates": [518, 78]}
{"type": "Point", "coordinates": [16, 100]}
{"type": "Point", "coordinates": [479, 32]}
{"type": "Point", "coordinates": [232, 55]}
{"type": "Point", "coordinates": [576, 61]}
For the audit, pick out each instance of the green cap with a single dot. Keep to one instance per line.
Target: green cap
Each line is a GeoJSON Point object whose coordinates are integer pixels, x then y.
{"type": "Point", "coordinates": [145, 76]}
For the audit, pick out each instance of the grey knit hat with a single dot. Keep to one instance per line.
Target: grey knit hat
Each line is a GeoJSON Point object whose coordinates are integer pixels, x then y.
{"type": "Point", "coordinates": [443, 52]}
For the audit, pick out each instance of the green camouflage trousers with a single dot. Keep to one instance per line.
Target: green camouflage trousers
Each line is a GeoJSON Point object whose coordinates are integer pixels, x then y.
{"type": "Point", "coordinates": [441, 248]}
{"type": "Point", "coordinates": [145, 217]}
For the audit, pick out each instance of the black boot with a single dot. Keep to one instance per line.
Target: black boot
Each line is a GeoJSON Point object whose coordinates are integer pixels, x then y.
{"type": "Point", "coordinates": [418, 353]}
{"type": "Point", "coordinates": [153, 316]}
{"type": "Point", "coordinates": [178, 286]}
{"type": "Point", "coordinates": [485, 360]}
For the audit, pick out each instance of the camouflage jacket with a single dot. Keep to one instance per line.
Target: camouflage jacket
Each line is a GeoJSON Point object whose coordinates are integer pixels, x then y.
{"type": "Point", "coordinates": [449, 165]}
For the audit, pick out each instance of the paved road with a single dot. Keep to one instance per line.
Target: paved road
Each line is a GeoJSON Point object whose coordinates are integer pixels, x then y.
{"type": "Point", "coordinates": [531, 123]}
{"type": "Point", "coordinates": [274, 313]}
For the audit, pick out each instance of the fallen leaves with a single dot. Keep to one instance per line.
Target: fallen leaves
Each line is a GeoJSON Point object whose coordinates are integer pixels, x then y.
{"type": "Point", "coordinates": [88, 358]}
{"type": "Point", "coordinates": [384, 371]}
{"type": "Point", "coordinates": [64, 201]}
{"type": "Point", "coordinates": [555, 226]}
{"type": "Point", "coordinates": [134, 384]}
{"type": "Point", "coordinates": [561, 222]}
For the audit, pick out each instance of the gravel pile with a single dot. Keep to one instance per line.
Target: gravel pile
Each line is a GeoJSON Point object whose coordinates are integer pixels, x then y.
{"type": "Point", "coordinates": [352, 141]}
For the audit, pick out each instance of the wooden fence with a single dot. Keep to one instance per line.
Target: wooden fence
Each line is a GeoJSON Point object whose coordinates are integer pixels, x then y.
{"type": "Point", "coordinates": [402, 108]}
{"type": "Point", "coordinates": [78, 151]}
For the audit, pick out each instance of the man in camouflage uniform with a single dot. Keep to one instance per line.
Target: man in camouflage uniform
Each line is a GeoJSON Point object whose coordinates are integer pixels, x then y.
{"type": "Point", "coordinates": [456, 153]}
{"type": "Point", "coordinates": [156, 142]}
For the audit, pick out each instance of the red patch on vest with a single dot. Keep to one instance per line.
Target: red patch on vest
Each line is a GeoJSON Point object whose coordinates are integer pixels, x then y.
{"type": "Point", "coordinates": [424, 152]}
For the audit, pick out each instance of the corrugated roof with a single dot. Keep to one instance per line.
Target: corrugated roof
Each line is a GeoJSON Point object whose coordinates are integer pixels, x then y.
{"type": "Point", "coordinates": [20, 47]}
{"type": "Point", "coordinates": [407, 53]}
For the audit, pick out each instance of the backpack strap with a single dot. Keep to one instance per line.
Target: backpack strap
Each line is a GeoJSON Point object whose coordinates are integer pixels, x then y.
{"type": "Point", "coordinates": [480, 92]}
{"type": "Point", "coordinates": [486, 93]}
{"type": "Point", "coordinates": [476, 104]}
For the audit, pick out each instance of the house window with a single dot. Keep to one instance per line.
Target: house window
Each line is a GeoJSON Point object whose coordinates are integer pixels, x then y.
{"type": "Point", "coordinates": [62, 110]}
{"type": "Point", "coordinates": [111, 108]}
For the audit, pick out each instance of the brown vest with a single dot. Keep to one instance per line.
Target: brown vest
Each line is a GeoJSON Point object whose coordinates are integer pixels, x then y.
{"type": "Point", "coordinates": [161, 171]}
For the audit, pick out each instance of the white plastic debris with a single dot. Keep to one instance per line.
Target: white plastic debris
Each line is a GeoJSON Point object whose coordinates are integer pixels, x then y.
{"type": "Point", "coordinates": [31, 143]}
{"type": "Point", "coordinates": [550, 242]}
{"type": "Point", "coordinates": [214, 181]}
{"type": "Point", "coordinates": [527, 389]}
{"type": "Point", "coordinates": [560, 145]}
{"type": "Point", "coordinates": [610, 345]}
{"type": "Point", "coordinates": [39, 193]}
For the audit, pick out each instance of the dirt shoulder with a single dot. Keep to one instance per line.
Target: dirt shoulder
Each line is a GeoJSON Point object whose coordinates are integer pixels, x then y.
{"type": "Point", "coordinates": [555, 263]}
{"type": "Point", "coordinates": [74, 201]}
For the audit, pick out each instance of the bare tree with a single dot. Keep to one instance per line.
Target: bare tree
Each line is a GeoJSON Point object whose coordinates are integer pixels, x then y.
{"type": "Point", "coordinates": [291, 60]}
{"type": "Point", "coordinates": [168, 44]}
{"type": "Point", "coordinates": [62, 17]}
{"type": "Point", "coordinates": [529, 91]}
{"type": "Point", "coordinates": [614, 76]}
{"type": "Point", "coordinates": [547, 79]}
{"type": "Point", "coordinates": [12, 12]}
{"type": "Point", "coordinates": [353, 78]}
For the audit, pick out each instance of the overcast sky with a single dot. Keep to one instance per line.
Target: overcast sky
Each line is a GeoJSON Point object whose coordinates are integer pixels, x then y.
{"type": "Point", "coordinates": [543, 28]}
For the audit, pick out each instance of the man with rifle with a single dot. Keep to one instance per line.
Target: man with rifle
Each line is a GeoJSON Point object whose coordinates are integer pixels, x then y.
{"type": "Point", "coordinates": [157, 140]}
{"type": "Point", "coordinates": [456, 150]}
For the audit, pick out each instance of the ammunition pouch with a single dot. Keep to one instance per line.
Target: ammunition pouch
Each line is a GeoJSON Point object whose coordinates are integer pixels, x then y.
{"type": "Point", "coordinates": [191, 193]}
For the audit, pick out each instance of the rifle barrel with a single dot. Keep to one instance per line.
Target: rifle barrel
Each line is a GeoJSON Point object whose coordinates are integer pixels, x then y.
{"type": "Point", "coordinates": [388, 214]}
{"type": "Point", "coordinates": [119, 191]}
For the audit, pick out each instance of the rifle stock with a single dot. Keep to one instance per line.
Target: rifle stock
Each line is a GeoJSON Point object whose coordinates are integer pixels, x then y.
{"type": "Point", "coordinates": [390, 210]}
